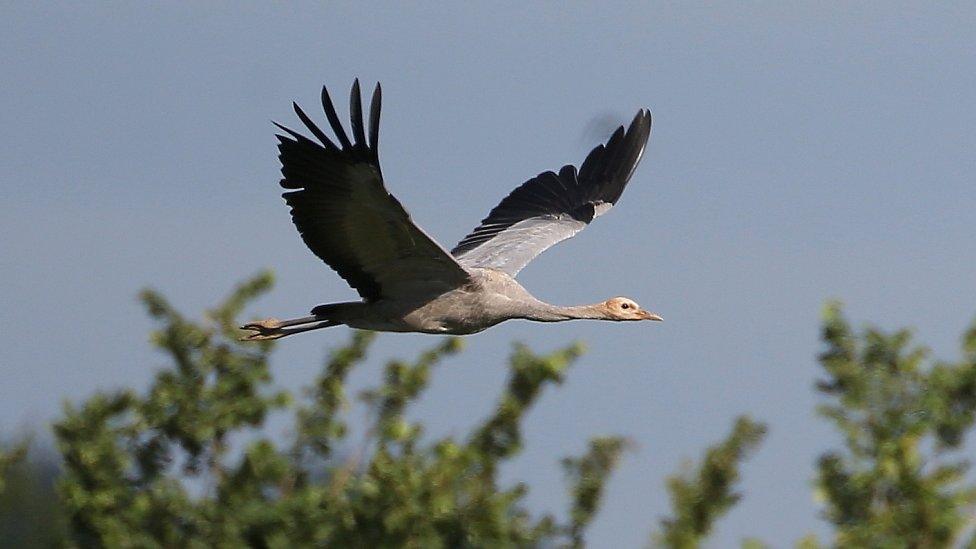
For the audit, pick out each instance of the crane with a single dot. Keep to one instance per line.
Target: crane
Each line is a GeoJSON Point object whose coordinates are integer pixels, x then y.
{"type": "Point", "coordinates": [407, 281]}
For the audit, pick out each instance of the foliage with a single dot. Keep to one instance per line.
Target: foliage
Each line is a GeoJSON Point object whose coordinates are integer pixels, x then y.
{"type": "Point", "coordinates": [158, 469]}
{"type": "Point", "coordinates": [30, 514]}
{"type": "Point", "coordinates": [702, 495]}
{"type": "Point", "coordinates": [899, 482]}
{"type": "Point", "coordinates": [10, 455]}
{"type": "Point", "coordinates": [588, 475]}
{"type": "Point", "coordinates": [187, 463]}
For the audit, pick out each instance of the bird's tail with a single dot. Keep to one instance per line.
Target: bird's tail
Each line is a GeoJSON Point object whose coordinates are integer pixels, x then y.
{"type": "Point", "coordinates": [327, 310]}
{"type": "Point", "coordinates": [338, 312]}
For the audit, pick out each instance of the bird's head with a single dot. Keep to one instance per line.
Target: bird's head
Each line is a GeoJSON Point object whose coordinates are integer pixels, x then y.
{"type": "Point", "coordinates": [623, 308]}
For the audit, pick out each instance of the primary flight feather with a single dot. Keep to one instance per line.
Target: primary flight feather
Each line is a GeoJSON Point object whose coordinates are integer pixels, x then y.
{"type": "Point", "coordinates": [407, 281]}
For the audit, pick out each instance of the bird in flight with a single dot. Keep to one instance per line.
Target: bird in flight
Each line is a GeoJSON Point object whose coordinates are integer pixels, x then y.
{"type": "Point", "coordinates": [407, 281]}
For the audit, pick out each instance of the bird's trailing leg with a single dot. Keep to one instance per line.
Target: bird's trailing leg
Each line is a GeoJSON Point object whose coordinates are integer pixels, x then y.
{"type": "Point", "coordinates": [272, 328]}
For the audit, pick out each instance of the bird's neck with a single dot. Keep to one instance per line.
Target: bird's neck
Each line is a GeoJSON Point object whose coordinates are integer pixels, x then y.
{"type": "Point", "coordinates": [544, 312]}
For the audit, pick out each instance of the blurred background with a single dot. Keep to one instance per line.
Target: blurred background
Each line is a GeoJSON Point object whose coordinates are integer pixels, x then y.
{"type": "Point", "coordinates": [799, 152]}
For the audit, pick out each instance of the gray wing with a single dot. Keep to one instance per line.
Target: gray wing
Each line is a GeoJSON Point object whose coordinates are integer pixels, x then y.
{"type": "Point", "coordinates": [346, 216]}
{"type": "Point", "coordinates": [552, 207]}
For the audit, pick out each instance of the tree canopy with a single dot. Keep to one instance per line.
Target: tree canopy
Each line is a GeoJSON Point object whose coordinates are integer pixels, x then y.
{"type": "Point", "coordinates": [186, 462]}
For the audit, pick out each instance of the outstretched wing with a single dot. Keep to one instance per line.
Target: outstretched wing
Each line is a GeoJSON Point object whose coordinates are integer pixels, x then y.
{"type": "Point", "coordinates": [346, 216]}
{"type": "Point", "coordinates": [552, 207]}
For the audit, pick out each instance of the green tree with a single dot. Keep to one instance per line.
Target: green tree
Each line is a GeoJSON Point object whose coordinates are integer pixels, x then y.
{"type": "Point", "coordinates": [186, 462]}
{"type": "Point", "coordinates": [702, 494]}
{"type": "Point", "coordinates": [157, 469]}
{"type": "Point", "coordinates": [10, 454]}
{"type": "Point", "coordinates": [30, 513]}
{"type": "Point", "coordinates": [899, 482]}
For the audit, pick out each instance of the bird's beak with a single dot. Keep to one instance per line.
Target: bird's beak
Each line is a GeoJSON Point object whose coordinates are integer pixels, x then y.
{"type": "Point", "coordinates": [647, 315]}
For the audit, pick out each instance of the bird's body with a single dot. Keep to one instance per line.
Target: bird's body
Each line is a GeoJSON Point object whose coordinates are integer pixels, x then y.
{"type": "Point", "coordinates": [408, 282]}
{"type": "Point", "coordinates": [490, 298]}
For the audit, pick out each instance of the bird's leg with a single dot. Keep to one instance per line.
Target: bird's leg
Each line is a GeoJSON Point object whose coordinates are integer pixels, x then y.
{"type": "Point", "coordinates": [274, 323]}
{"type": "Point", "coordinates": [273, 328]}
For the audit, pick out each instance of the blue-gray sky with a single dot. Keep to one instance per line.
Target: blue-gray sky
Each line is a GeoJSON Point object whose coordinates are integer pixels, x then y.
{"type": "Point", "coordinates": [799, 153]}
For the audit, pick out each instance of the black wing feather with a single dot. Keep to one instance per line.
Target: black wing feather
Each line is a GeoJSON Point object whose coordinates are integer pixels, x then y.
{"type": "Point", "coordinates": [375, 106]}
{"type": "Point", "coordinates": [356, 116]}
{"type": "Point", "coordinates": [330, 113]}
{"type": "Point", "coordinates": [312, 127]}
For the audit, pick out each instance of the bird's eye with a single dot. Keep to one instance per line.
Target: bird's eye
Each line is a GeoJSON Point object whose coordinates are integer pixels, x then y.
{"type": "Point", "coordinates": [625, 306]}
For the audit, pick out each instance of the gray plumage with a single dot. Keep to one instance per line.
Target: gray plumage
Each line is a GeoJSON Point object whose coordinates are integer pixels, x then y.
{"type": "Point", "coordinates": [408, 282]}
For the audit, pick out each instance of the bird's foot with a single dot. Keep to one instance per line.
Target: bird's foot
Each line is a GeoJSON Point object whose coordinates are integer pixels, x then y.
{"type": "Point", "coordinates": [263, 330]}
